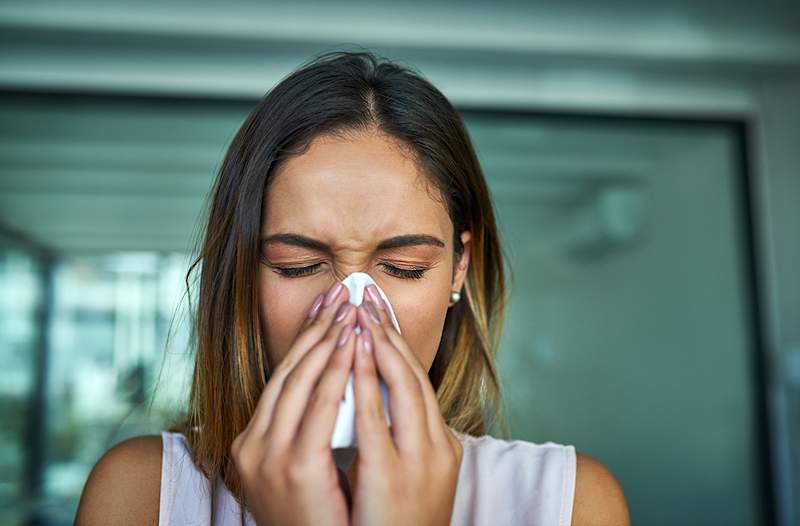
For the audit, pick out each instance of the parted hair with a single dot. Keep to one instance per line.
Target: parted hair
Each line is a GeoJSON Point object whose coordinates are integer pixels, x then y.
{"type": "Point", "coordinates": [337, 92]}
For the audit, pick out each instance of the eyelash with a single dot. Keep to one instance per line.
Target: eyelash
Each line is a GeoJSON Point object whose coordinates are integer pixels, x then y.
{"type": "Point", "coordinates": [402, 273]}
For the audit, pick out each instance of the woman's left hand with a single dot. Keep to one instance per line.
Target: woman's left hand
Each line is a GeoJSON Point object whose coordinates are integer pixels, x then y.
{"type": "Point", "coordinates": [406, 475]}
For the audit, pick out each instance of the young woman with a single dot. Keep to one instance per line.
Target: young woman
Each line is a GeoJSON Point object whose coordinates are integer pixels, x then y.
{"type": "Point", "coordinates": [351, 163]}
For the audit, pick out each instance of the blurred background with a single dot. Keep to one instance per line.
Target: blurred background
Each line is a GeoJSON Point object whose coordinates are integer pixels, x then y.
{"type": "Point", "coordinates": [644, 163]}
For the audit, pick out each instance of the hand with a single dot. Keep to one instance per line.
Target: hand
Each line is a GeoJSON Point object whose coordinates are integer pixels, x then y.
{"type": "Point", "coordinates": [284, 455]}
{"type": "Point", "coordinates": [407, 475]}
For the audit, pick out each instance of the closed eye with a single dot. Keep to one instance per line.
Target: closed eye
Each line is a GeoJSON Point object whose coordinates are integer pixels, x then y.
{"type": "Point", "coordinates": [296, 272]}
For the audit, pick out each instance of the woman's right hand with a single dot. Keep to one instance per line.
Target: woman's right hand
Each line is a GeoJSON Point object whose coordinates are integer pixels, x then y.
{"type": "Point", "coordinates": [284, 456]}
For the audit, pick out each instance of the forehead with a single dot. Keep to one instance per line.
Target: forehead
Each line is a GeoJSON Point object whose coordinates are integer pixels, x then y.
{"type": "Point", "coordinates": [362, 188]}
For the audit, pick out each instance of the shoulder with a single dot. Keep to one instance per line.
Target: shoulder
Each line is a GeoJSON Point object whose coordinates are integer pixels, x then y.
{"type": "Point", "coordinates": [599, 500]}
{"type": "Point", "coordinates": [124, 485]}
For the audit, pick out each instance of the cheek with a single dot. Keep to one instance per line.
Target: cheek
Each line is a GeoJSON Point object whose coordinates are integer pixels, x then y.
{"type": "Point", "coordinates": [421, 311]}
{"type": "Point", "coordinates": [283, 306]}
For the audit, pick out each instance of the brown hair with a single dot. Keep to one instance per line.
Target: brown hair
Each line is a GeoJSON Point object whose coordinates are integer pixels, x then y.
{"type": "Point", "coordinates": [337, 93]}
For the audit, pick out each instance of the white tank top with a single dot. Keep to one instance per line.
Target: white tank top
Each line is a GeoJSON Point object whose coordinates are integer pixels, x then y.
{"type": "Point", "coordinates": [500, 482]}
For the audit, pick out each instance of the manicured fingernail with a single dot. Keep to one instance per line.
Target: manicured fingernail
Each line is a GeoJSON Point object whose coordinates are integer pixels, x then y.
{"type": "Point", "coordinates": [372, 291]}
{"type": "Point", "coordinates": [344, 334]}
{"type": "Point", "coordinates": [316, 305]}
{"type": "Point", "coordinates": [342, 311]}
{"type": "Point", "coordinates": [372, 311]}
{"type": "Point", "coordinates": [333, 292]}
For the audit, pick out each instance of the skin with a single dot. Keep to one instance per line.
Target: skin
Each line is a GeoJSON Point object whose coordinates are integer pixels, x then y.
{"type": "Point", "coordinates": [403, 477]}
{"type": "Point", "coordinates": [388, 197]}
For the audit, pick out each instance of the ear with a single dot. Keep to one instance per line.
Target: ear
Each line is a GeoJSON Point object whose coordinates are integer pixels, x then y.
{"type": "Point", "coordinates": [462, 265]}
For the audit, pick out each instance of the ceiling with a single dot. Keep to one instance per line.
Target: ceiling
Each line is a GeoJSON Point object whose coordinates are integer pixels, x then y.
{"type": "Point", "coordinates": [114, 117]}
{"type": "Point", "coordinates": [93, 174]}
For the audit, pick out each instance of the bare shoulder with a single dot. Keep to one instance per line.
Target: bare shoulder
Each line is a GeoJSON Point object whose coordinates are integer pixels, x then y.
{"type": "Point", "coordinates": [599, 500]}
{"type": "Point", "coordinates": [124, 485]}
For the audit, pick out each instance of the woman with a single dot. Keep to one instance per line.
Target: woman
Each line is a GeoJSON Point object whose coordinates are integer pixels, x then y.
{"type": "Point", "coordinates": [349, 164]}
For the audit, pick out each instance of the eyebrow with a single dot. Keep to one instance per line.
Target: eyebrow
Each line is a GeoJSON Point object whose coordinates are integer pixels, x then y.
{"type": "Point", "coordinates": [300, 240]}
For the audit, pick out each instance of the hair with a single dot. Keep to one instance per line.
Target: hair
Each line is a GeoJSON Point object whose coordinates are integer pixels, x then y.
{"type": "Point", "coordinates": [338, 93]}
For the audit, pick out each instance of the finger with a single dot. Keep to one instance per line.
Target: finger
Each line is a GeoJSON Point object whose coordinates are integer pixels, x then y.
{"type": "Point", "coordinates": [386, 322]}
{"type": "Point", "coordinates": [406, 403]}
{"type": "Point", "coordinates": [299, 383]}
{"type": "Point", "coordinates": [312, 331]}
{"type": "Point", "coordinates": [316, 305]}
{"type": "Point", "coordinates": [314, 327]}
{"type": "Point", "coordinates": [374, 439]}
{"type": "Point", "coordinates": [316, 426]}
{"type": "Point", "coordinates": [373, 296]}
{"type": "Point", "coordinates": [436, 421]}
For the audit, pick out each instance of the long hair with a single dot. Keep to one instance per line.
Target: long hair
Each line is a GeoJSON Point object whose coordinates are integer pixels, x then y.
{"type": "Point", "coordinates": [334, 93]}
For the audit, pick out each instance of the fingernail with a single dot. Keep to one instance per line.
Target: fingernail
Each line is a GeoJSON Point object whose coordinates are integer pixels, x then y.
{"type": "Point", "coordinates": [344, 334]}
{"type": "Point", "coordinates": [372, 290]}
{"type": "Point", "coordinates": [373, 313]}
{"type": "Point", "coordinates": [342, 311]}
{"type": "Point", "coordinates": [316, 305]}
{"type": "Point", "coordinates": [333, 292]}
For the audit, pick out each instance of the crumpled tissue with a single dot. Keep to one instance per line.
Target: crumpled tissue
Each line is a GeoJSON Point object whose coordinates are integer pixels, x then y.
{"type": "Point", "coordinates": [344, 440]}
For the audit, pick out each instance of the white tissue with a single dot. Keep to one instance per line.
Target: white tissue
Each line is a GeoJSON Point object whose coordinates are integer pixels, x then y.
{"type": "Point", "coordinates": [344, 431]}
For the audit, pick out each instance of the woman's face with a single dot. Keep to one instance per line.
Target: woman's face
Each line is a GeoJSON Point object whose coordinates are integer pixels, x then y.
{"type": "Point", "coordinates": [347, 197]}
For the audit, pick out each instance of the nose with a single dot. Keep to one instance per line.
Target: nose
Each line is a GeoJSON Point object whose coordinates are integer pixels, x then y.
{"type": "Point", "coordinates": [341, 271]}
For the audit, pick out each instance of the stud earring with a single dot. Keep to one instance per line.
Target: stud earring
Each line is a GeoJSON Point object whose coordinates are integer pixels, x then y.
{"type": "Point", "coordinates": [455, 296]}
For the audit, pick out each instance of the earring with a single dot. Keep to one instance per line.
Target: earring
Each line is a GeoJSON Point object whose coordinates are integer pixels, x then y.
{"type": "Point", "coordinates": [455, 296]}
